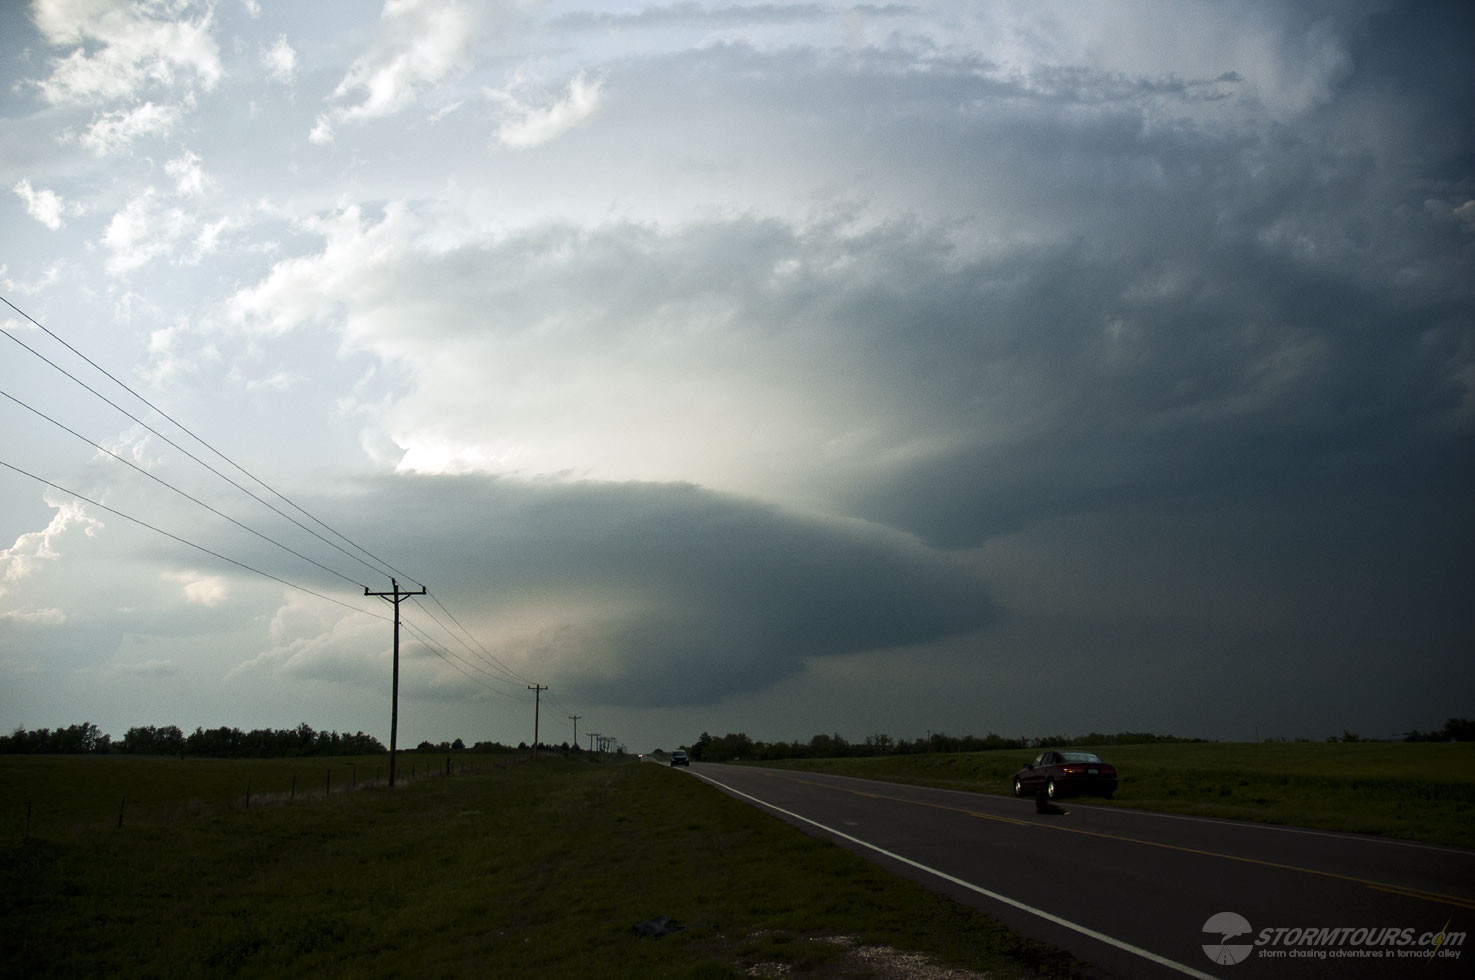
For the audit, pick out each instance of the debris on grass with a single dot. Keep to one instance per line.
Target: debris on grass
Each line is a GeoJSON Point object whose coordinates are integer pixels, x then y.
{"type": "Point", "coordinates": [662, 925]}
{"type": "Point", "coordinates": [871, 962]}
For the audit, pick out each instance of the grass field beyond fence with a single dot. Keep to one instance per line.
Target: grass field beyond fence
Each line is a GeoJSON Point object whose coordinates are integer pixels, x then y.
{"type": "Point", "coordinates": [70, 794]}
{"type": "Point", "coordinates": [529, 870]}
{"type": "Point", "coordinates": [1421, 791]}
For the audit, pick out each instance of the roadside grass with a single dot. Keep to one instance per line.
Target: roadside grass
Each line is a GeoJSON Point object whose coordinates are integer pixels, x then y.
{"type": "Point", "coordinates": [77, 794]}
{"type": "Point", "coordinates": [1422, 791]}
{"type": "Point", "coordinates": [532, 870]}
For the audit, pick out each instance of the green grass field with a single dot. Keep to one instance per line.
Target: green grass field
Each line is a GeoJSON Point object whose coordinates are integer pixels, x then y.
{"type": "Point", "coordinates": [1411, 790]}
{"type": "Point", "coordinates": [513, 868]}
{"type": "Point", "coordinates": [76, 794]}
{"type": "Point", "coordinates": [530, 870]}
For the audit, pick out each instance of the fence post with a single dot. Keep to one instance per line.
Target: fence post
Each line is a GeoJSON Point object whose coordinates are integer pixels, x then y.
{"type": "Point", "coordinates": [28, 819]}
{"type": "Point", "coordinates": [248, 794]}
{"type": "Point", "coordinates": [328, 784]}
{"type": "Point", "coordinates": [355, 775]}
{"type": "Point", "coordinates": [121, 803]}
{"type": "Point", "coordinates": [293, 797]}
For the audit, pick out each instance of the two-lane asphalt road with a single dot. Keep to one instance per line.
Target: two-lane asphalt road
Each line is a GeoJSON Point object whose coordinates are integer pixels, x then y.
{"type": "Point", "coordinates": [1132, 891]}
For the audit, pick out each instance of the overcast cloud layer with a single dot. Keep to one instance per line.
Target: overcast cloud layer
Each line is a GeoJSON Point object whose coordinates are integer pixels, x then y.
{"type": "Point", "coordinates": [1031, 368]}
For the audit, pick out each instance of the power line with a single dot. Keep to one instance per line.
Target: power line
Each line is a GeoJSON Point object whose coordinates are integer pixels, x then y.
{"type": "Point", "coordinates": [383, 564]}
{"type": "Point", "coordinates": [446, 653]}
{"type": "Point", "coordinates": [451, 659]}
{"type": "Point", "coordinates": [184, 541]}
{"type": "Point", "coordinates": [486, 654]}
{"type": "Point", "coordinates": [165, 483]}
{"type": "Point", "coordinates": [429, 644]}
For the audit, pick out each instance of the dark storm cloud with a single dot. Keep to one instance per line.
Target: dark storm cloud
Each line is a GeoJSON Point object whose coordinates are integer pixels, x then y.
{"type": "Point", "coordinates": [1285, 381]}
{"type": "Point", "coordinates": [668, 594]}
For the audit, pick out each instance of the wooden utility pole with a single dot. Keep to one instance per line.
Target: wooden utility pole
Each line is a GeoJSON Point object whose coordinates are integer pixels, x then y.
{"type": "Point", "coordinates": [395, 597]}
{"type": "Point", "coordinates": [537, 690]}
{"type": "Point", "coordinates": [575, 720]}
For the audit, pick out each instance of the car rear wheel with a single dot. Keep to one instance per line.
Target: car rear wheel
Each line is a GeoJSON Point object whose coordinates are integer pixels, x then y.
{"type": "Point", "coordinates": [1050, 789]}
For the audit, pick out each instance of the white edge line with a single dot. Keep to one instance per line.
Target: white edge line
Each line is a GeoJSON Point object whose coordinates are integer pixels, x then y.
{"type": "Point", "coordinates": [1048, 916]}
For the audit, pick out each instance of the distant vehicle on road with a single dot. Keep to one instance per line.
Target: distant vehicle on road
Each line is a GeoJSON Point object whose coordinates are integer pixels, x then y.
{"type": "Point", "coordinates": [678, 758]}
{"type": "Point", "coordinates": [1066, 772]}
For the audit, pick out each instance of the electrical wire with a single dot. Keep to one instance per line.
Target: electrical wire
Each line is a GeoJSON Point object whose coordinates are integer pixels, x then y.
{"type": "Point", "coordinates": [380, 571]}
{"type": "Point", "coordinates": [451, 659]}
{"type": "Point", "coordinates": [185, 541]}
{"type": "Point", "coordinates": [425, 638]}
{"type": "Point", "coordinates": [165, 483]}
{"type": "Point", "coordinates": [485, 654]}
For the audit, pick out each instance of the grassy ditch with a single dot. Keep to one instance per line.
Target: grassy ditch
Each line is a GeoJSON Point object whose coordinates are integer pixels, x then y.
{"type": "Point", "coordinates": [537, 869]}
{"type": "Point", "coordinates": [1421, 791]}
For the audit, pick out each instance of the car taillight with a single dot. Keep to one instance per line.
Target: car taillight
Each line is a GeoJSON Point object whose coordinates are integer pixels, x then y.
{"type": "Point", "coordinates": [1071, 769]}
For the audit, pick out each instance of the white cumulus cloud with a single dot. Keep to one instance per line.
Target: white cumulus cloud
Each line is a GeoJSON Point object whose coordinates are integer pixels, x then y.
{"type": "Point", "coordinates": [190, 179]}
{"type": "Point", "coordinates": [42, 617]}
{"type": "Point", "coordinates": [532, 125]}
{"type": "Point", "coordinates": [45, 205]}
{"type": "Point", "coordinates": [22, 558]}
{"type": "Point", "coordinates": [121, 50]}
{"type": "Point", "coordinates": [420, 44]}
{"type": "Point", "coordinates": [280, 61]}
{"type": "Point", "coordinates": [201, 589]}
{"type": "Point", "coordinates": [146, 229]}
{"type": "Point", "coordinates": [112, 132]}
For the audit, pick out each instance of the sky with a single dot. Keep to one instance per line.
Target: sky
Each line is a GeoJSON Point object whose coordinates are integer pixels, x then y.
{"type": "Point", "coordinates": [785, 368]}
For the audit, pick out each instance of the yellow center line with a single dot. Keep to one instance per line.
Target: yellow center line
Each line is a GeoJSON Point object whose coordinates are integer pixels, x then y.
{"type": "Point", "coordinates": [1402, 890]}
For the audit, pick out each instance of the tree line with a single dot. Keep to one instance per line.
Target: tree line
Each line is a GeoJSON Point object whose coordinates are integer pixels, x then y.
{"type": "Point", "coordinates": [229, 743]}
{"type": "Point", "coordinates": [213, 743]}
{"type": "Point", "coordinates": [1454, 730]}
{"type": "Point", "coordinates": [486, 748]}
{"type": "Point", "coordinates": [736, 745]}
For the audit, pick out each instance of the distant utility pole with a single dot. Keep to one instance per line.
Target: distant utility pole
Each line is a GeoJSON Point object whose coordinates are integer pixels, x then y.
{"type": "Point", "coordinates": [395, 597]}
{"type": "Point", "coordinates": [592, 737]}
{"type": "Point", "coordinates": [575, 720]}
{"type": "Point", "coordinates": [537, 690]}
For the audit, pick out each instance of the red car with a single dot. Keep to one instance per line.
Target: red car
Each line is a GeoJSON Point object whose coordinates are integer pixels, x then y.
{"type": "Point", "coordinates": [1066, 772]}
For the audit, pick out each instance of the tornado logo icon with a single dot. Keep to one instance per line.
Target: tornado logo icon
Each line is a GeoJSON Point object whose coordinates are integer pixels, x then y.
{"type": "Point", "coordinates": [1224, 928]}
